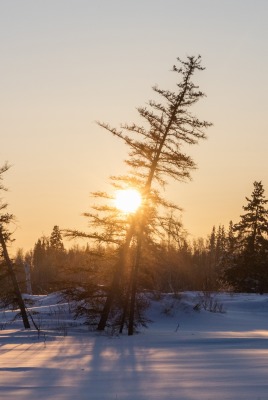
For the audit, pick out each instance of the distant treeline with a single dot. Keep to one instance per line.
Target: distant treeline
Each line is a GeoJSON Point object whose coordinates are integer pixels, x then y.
{"type": "Point", "coordinates": [233, 258]}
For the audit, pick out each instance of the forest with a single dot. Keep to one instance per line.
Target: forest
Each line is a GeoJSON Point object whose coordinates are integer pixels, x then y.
{"type": "Point", "coordinates": [126, 254]}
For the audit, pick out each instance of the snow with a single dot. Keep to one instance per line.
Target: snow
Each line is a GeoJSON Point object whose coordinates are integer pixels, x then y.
{"type": "Point", "coordinates": [184, 354]}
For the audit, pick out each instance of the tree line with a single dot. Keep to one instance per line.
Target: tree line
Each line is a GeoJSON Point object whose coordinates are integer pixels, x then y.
{"type": "Point", "coordinates": [233, 258]}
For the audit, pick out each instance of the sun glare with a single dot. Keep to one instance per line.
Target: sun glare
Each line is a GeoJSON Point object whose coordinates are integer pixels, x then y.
{"type": "Point", "coordinates": [127, 200]}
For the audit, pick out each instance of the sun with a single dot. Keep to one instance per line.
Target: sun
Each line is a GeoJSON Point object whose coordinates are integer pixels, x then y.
{"type": "Point", "coordinates": [127, 200]}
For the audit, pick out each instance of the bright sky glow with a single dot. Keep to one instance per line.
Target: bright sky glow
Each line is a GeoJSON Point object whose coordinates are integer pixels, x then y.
{"type": "Point", "coordinates": [128, 200]}
{"type": "Point", "coordinates": [67, 63]}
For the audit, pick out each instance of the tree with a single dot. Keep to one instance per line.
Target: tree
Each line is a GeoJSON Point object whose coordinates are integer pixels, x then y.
{"type": "Point", "coordinates": [5, 237]}
{"type": "Point", "coordinates": [48, 261]}
{"type": "Point", "coordinates": [249, 271]}
{"type": "Point", "coordinates": [22, 265]}
{"type": "Point", "coordinates": [56, 257]}
{"type": "Point", "coordinates": [230, 240]}
{"type": "Point", "coordinates": [156, 155]}
{"type": "Point", "coordinates": [253, 226]}
{"type": "Point", "coordinates": [41, 269]}
{"type": "Point", "coordinates": [56, 239]}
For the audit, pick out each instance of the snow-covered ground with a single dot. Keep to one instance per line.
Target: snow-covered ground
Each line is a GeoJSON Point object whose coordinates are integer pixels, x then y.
{"type": "Point", "coordinates": [185, 354]}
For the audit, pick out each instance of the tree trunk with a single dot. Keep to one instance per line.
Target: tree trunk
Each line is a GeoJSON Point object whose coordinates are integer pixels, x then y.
{"type": "Point", "coordinates": [134, 282]}
{"type": "Point", "coordinates": [15, 283]}
{"type": "Point", "coordinates": [125, 309]}
{"type": "Point", "coordinates": [114, 288]}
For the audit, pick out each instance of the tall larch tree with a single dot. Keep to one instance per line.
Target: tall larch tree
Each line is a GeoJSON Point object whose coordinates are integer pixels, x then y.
{"type": "Point", "coordinates": [156, 155]}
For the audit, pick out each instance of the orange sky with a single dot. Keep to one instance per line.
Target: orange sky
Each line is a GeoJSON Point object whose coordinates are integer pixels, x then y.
{"type": "Point", "coordinates": [66, 64]}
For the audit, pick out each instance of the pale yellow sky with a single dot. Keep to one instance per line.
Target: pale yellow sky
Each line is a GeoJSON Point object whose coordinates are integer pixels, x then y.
{"type": "Point", "coordinates": [65, 64]}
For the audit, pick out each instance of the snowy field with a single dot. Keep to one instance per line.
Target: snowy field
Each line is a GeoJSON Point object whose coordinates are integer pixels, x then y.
{"type": "Point", "coordinates": [185, 354]}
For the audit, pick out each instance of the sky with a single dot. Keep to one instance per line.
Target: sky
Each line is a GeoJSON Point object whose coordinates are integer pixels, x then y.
{"type": "Point", "coordinates": [66, 64]}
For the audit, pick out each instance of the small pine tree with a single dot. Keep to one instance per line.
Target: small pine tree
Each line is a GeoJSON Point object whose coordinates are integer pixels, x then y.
{"type": "Point", "coordinates": [56, 239]}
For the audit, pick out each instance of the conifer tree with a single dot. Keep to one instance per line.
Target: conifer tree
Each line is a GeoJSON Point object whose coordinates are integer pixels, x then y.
{"type": "Point", "coordinates": [48, 261]}
{"type": "Point", "coordinates": [249, 271]}
{"type": "Point", "coordinates": [156, 155]}
{"type": "Point", "coordinates": [253, 226]}
{"type": "Point", "coordinates": [56, 239]}
{"type": "Point", "coordinates": [41, 268]}
{"type": "Point", "coordinates": [230, 241]}
{"type": "Point", "coordinates": [5, 237]}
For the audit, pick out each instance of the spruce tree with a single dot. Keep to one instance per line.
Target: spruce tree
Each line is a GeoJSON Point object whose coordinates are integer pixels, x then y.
{"type": "Point", "coordinates": [249, 271]}
{"type": "Point", "coordinates": [253, 226]}
{"type": "Point", "coordinates": [56, 239]}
